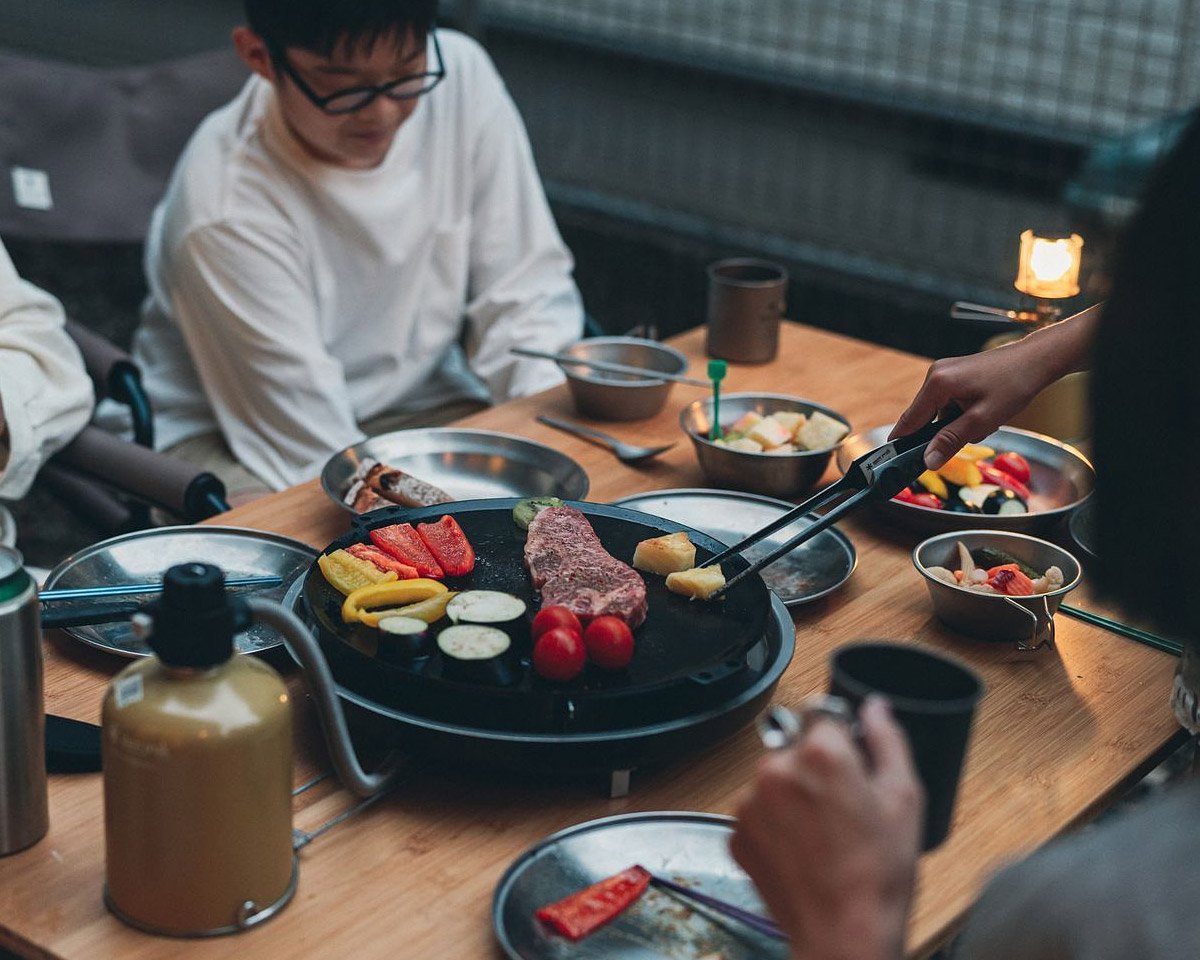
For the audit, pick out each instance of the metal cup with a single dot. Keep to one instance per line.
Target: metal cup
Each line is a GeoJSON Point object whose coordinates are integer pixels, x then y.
{"type": "Point", "coordinates": [746, 300]}
{"type": "Point", "coordinates": [932, 697]}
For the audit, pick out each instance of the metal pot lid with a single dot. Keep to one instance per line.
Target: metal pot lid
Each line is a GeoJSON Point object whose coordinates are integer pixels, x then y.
{"type": "Point", "coordinates": [143, 556]}
{"type": "Point", "coordinates": [467, 464]}
{"type": "Point", "coordinates": [811, 571]}
{"type": "Point", "coordinates": [690, 848]}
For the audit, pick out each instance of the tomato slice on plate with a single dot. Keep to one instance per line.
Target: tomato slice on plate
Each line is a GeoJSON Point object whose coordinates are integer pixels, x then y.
{"type": "Point", "coordinates": [591, 908]}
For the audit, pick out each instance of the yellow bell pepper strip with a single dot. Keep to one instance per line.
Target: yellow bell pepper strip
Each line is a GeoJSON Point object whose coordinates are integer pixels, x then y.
{"type": "Point", "coordinates": [934, 484]}
{"type": "Point", "coordinates": [976, 451]}
{"type": "Point", "coordinates": [961, 471]}
{"type": "Point", "coordinates": [359, 603]}
{"type": "Point", "coordinates": [347, 573]}
{"type": "Point", "coordinates": [430, 610]}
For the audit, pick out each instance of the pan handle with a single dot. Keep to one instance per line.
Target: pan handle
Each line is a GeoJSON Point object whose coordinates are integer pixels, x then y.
{"type": "Point", "coordinates": [329, 709]}
{"type": "Point", "coordinates": [1043, 625]}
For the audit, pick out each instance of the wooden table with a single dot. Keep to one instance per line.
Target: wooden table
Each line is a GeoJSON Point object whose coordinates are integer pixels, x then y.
{"type": "Point", "coordinates": [1057, 736]}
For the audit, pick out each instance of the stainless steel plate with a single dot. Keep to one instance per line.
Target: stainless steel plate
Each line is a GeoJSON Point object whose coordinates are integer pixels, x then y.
{"type": "Point", "coordinates": [690, 848]}
{"type": "Point", "coordinates": [1062, 478]}
{"type": "Point", "coordinates": [467, 464]}
{"type": "Point", "coordinates": [1083, 528]}
{"type": "Point", "coordinates": [811, 571]}
{"type": "Point", "coordinates": [144, 556]}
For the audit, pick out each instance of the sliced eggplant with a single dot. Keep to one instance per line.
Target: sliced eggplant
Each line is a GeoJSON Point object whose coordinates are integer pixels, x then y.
{"type": "Point", "coordinates": [478, 654]}
{"type": "Point", "coordinates": [403, 638]}
{"type": "Point", "coordinates": [1004, 503]}
{"type": "Point", "coordinates": [491, 608]}
{"type": "Point", "coordinates": [975, 497]}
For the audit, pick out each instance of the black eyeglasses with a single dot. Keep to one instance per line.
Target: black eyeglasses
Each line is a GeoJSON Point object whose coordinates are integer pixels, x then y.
{"type": "Point", "coordinates": [355, 98]}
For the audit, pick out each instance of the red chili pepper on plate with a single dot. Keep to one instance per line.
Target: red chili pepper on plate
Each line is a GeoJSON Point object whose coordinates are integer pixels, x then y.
{"type": "Point", "coordinates": [384, 561]}
{"type": "Point", "coordinates": [401, 541]}
{"type": "Point", "coordinates": [591, 908]}
{"type": "Point", "coordinates": [1006, 481]}
{"type": "Point", "coordinates": [449, 546]}
{"type": "Point", "coordinates": [1015, 465]}
{"type": "Point", "coordinates": [919, 499]}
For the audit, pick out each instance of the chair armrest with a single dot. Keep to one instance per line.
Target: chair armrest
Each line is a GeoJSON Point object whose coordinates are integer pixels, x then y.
{"type": "Point", "coordinates": [114, 374]}
{"type": "Point", "coordinates": [167, 482]}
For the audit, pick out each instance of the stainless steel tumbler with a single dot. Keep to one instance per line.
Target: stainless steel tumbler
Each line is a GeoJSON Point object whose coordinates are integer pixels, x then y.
{"type": "Point", "coordinates": [24, 817]}
{"type": "Point", "coordinates": [746, 300]}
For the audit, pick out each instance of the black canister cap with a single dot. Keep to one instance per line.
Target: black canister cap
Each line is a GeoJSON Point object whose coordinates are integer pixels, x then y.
{"type": "Point", "coordinates": [195, 620]}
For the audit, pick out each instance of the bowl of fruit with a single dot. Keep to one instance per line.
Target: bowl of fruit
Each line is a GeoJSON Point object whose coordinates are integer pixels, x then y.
{"type": "Point", "coordinates": [764, 442]}
{"type": "Point", "coordinates": [1013, 480]}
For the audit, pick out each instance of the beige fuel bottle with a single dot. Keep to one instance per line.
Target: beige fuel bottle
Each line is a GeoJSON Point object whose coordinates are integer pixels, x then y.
{"type": "Point", "coordinates": [197, 750]}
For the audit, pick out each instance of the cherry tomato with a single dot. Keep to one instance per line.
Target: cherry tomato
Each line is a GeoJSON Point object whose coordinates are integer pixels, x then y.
{"type": "Point", "coordinates": [1015, 465]}
{"type": "Point", "coordinates": [609, 643]}
{"type": "Point", "coordinates": [559, 654]}
{"type": "Point", "coordinates": [550, 618]}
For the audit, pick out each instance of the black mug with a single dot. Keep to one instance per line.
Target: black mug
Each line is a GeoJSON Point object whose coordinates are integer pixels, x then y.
{"type": "Point", "coordinates": [933, 698]}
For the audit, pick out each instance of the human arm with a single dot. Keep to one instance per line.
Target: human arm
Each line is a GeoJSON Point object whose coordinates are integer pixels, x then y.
{"type": "Point", "coordinates": [521, 291]}
{"type": "Point", "coordinates": [241, 294]}
{"type": "Point", "coordinates": [994, 385]}
{"type": "Point", "coordinates": [831, 840]}
{"type": "Point", "coordinates": [45, 395]}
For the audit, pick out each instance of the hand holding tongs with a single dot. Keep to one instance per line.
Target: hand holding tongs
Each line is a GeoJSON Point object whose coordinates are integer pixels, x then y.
{"type": "Point", "coordinates": [878, 475]}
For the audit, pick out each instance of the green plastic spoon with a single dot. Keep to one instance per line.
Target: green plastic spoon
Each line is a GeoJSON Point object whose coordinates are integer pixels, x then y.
{"type": "Point", "coordinates": [716, 373]}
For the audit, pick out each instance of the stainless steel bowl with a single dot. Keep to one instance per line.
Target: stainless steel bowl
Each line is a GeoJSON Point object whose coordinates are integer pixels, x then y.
{"type": "Point", "coordinates": [987, 616]}
{"type": "Point", "coordinates": [619, 396]}
{"type": "Point", "coordinates": [774, 474]}
{"type": "Point", "coordinates": [1062, 478]}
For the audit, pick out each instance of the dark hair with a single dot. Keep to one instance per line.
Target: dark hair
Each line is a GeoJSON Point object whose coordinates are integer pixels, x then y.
{"type": "Point", "coordinates": [323, 26]}
{"type": "Point", "coordinates": [1146, 404]}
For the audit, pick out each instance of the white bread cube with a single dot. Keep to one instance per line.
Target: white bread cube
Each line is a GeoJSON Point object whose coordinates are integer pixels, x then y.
{"type": "Point", "coordinates": [746, 421]}
{"type": "Point", "coordinates": [742, 444]}
{"type": "Point", "coordinates": [790, 420]}
{"type": "Point", "coordinates": [699, 583]}
{"type": "Point", "coordinates": [769, 432]}
{"type": "Point", "coordinates": [821, 432]}
{"type": "Point", "coordinates": [786, 448]}
{"type": "Point", "coordinates": [663, 555]}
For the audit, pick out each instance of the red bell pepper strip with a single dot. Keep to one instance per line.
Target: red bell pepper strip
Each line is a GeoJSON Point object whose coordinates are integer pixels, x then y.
{"type": "Point", "coordinates": [919, 499]}
{"type": "Point", "coordinates": [449, 546]}
{"type": "Point", "coordinates": [1015, 465]}
{"type": "Point", "coordinates": [591, 908]}
{"type": "Point", "coordinates": [1006, 481]}
{"type": "Point", "coordinates": [384, 561]}
{"type": "Point", "coordinates": [401, 541]}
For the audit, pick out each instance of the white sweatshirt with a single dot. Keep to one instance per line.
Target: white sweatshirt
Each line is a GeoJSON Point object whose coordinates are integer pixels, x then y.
{"type": "Point", "coordinates": [46, 394]}
{"type": "Point", "coordinates": [291, 300]}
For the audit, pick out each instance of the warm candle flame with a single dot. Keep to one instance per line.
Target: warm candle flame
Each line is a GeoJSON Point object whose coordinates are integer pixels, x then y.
{"type": "Point", "coordinates": [1049, 267]}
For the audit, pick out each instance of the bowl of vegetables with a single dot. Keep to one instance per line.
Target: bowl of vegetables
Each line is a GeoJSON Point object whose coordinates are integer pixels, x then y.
{"type": "Point", "coordinates": [765, 443]}
{"type": "Point", "coordinates": [997, 585]}
{"type": "Point", "coordinates": [1013, 480]}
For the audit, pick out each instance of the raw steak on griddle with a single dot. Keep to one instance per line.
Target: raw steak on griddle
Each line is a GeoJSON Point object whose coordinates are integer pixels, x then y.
{"type": "Point", "coordinates": [570, 566]}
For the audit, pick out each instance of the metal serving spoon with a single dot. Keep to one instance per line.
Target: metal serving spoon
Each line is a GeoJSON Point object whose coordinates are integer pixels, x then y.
{"type": "Point", "coordinates": [625, 452]}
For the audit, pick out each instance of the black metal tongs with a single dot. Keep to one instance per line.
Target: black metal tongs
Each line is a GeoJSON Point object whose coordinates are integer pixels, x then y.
{"type": "Point", "coordinates": [878, 475]}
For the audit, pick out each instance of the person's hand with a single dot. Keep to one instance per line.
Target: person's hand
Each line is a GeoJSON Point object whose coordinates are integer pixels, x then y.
{"type": "Point", "coordinates": [830, 838]}
{"type": "Point", "coordinates": [992, 386]}
{"type": "Point", "coordinates": [988, 388]}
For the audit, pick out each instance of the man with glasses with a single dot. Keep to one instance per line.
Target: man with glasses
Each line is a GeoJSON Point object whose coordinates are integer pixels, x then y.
{"type": "Point", "coordinates": [352, 245]}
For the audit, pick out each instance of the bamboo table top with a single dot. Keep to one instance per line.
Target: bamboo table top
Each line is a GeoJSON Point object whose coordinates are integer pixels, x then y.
{"type": "Point", "coordinates": [1057, 736]}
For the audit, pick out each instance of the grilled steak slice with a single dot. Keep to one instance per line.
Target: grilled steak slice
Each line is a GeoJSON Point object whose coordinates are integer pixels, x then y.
{"type": "Point", "coordinates": [570, 566]}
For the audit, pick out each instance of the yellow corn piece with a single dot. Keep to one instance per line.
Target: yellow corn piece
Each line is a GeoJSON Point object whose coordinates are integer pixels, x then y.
{"type": "Point", "coordinates": [357, 604]}
{"type": "Point", "coordinates": [961, 471]}
{"type": "Point", "coordinates": [974, 451]}
{"type": "Point", "coordinates": [428, 610]}
{"type": "Point", "coordinates": [934, 484]}
{"type": "Point", "coordinates": [347, 573]}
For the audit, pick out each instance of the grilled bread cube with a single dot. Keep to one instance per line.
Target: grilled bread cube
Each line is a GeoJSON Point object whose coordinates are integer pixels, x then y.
{"type": "Point", "coordinates": [700, 583]}
{"type": "Point", "coordinates": [744, 444]}
{"type": "Point", "coordinates": [821, 432]}
{"type": "Point", "coordinates": [663, 555]}
{"type": "Point", "coordinates": [746, 421]}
